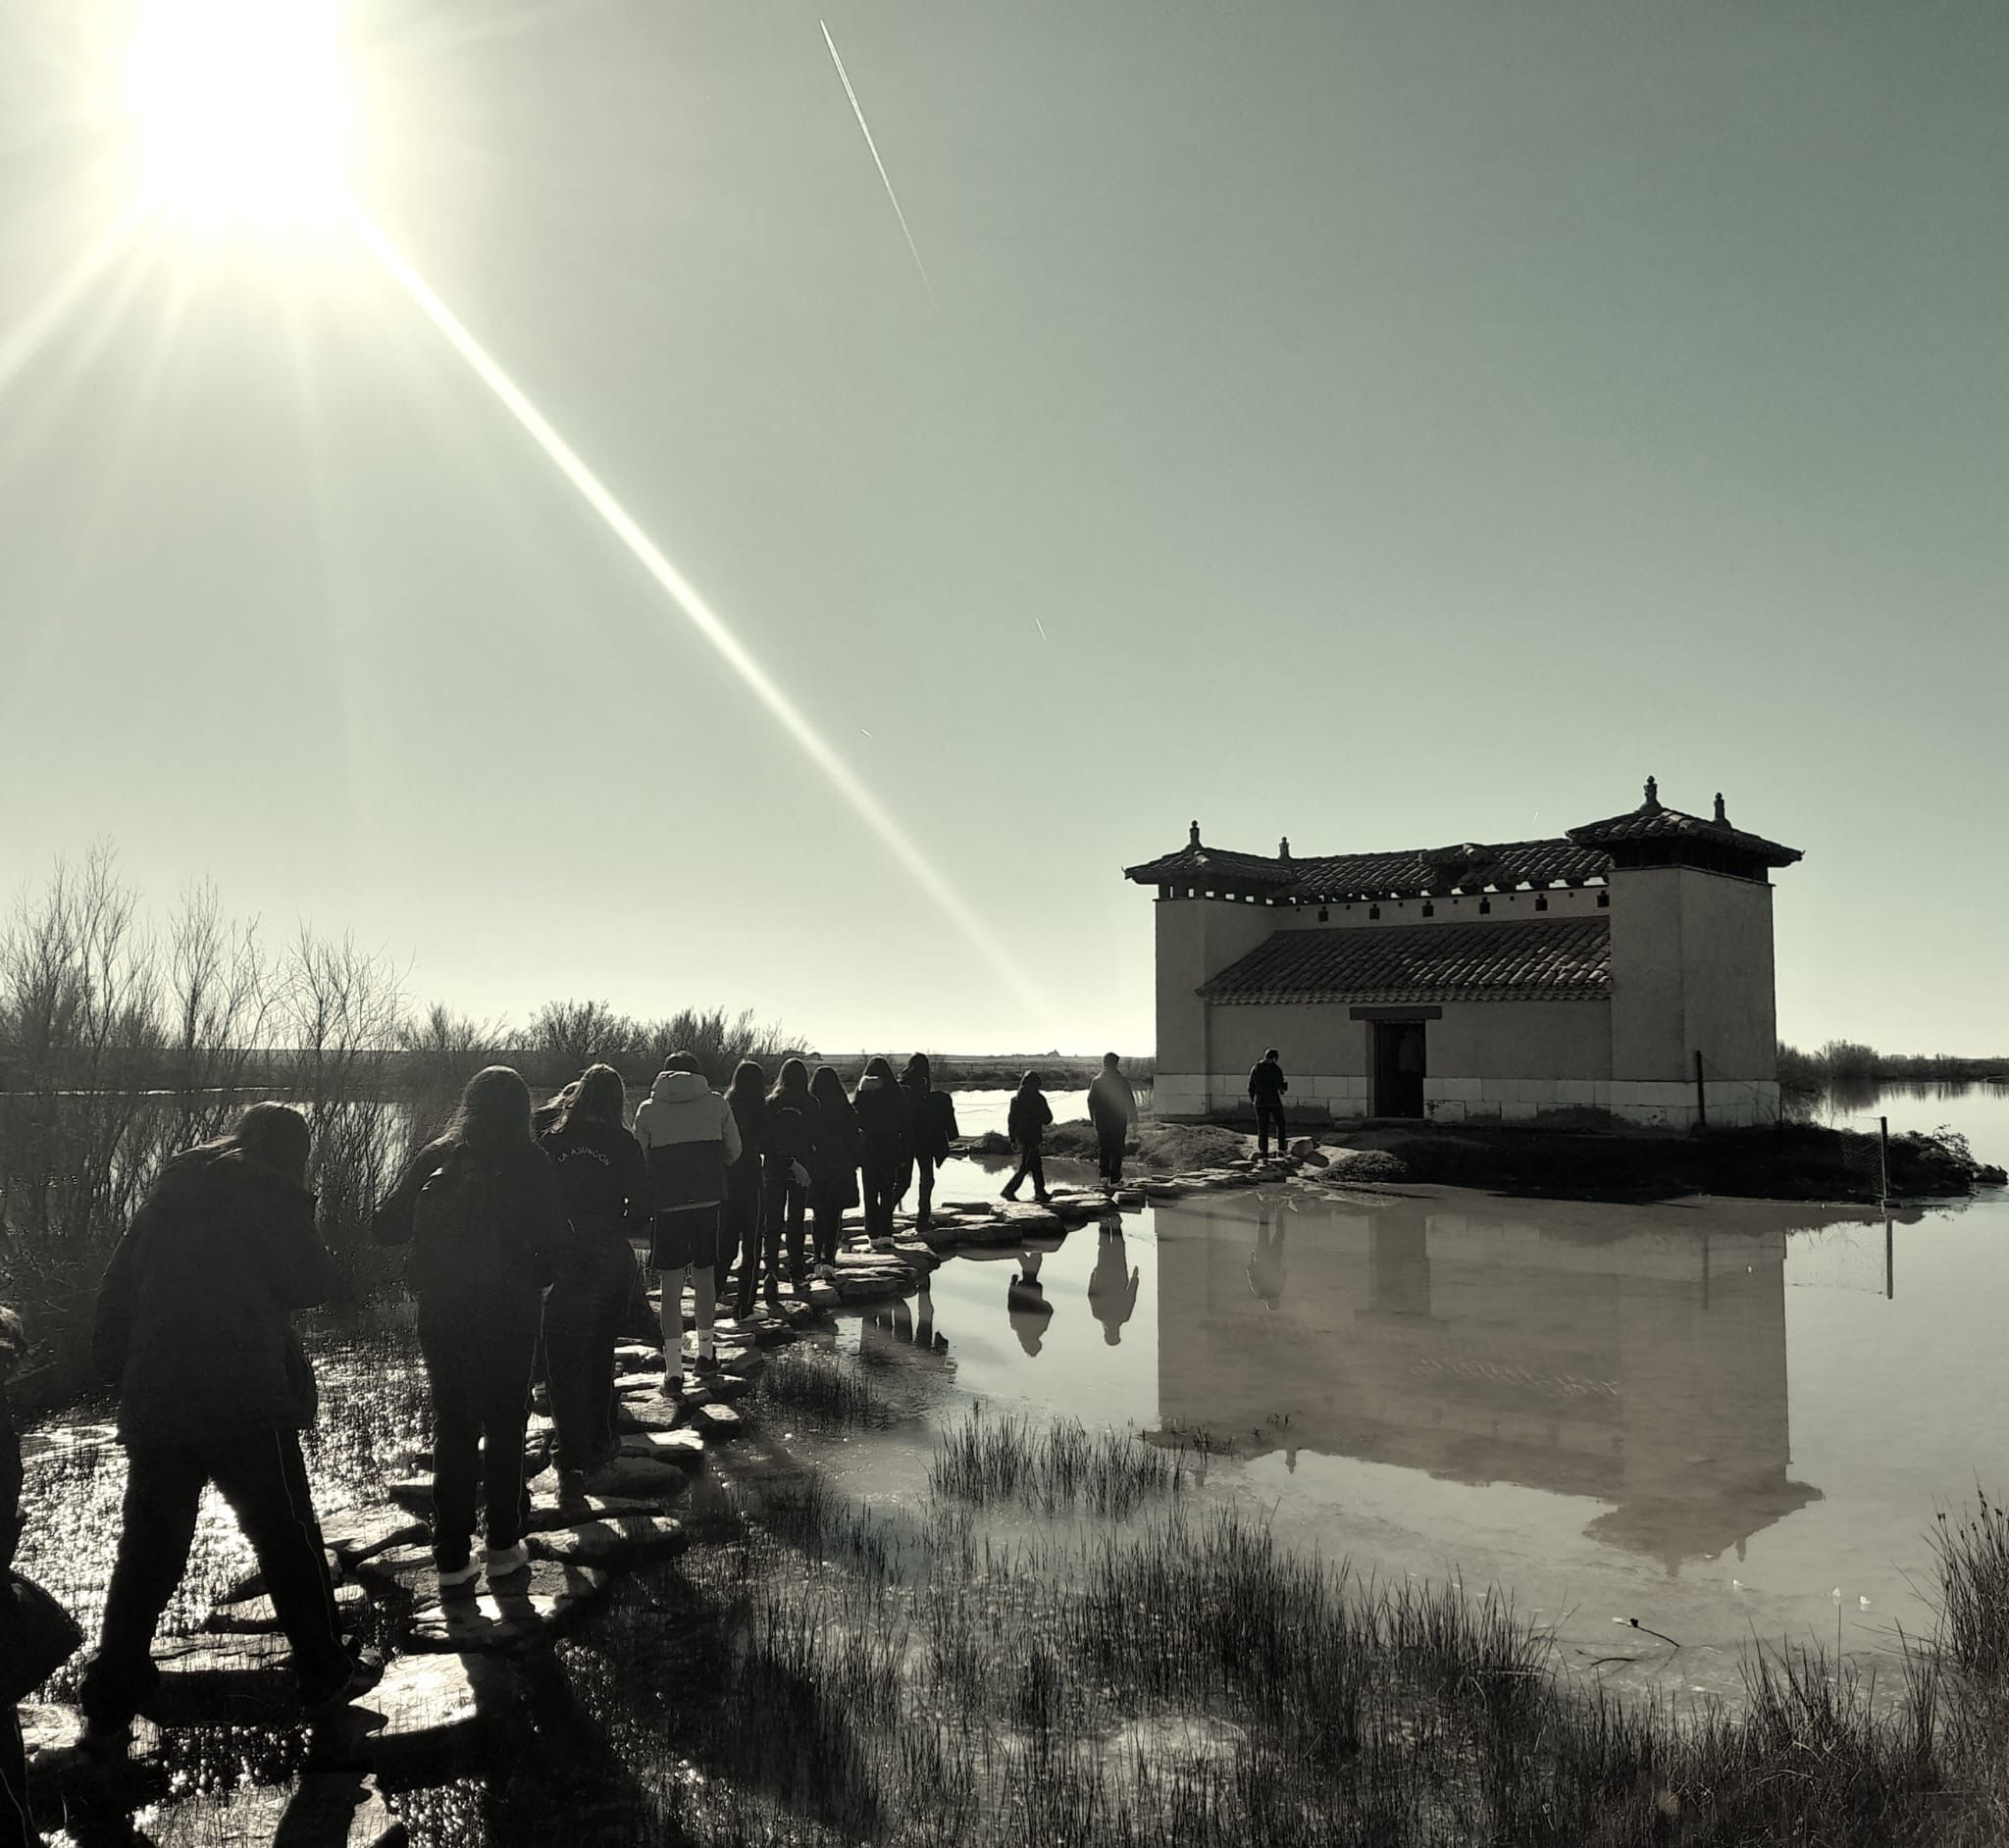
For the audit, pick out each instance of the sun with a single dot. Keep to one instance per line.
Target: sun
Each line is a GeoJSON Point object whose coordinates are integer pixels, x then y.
{"type": "Point", "coordinates": [241, 106]}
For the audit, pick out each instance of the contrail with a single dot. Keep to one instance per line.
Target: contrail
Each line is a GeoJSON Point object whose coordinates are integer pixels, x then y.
{"type": "Point", "coordinates": [709, 624]}
{"type": "Point", "coordinates": [885, 180]}
{"type": "Point", "coordinates": [1041, 626]}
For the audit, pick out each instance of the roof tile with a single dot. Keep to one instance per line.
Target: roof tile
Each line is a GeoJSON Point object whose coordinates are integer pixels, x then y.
{"type": "Point", "coordinates": [1561, 960]}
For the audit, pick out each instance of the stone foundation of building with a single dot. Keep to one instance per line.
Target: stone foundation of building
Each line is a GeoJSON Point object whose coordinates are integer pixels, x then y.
{"type": "Point", "coordinates": [1652, 1103]}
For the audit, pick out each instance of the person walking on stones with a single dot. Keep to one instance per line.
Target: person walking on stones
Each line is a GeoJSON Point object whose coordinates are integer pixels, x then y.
{"type": "Point", "coordinates": [1026, 1125]}
{"type": "Point", "coordinates": [834, 1169]}
{"type": "Point", "coordinates": [788, 1165]}
{"type": "Point", "coordinates": [194, 1329]}
{"type": "Point", "coordinates": [931, 1128]}
{"type": "Point", "coordinates": [481, 1209]}
{"type": "Point", "coordinates": [1112, 1108]}
{"type": "Point", "coordinates": [603, 1182]}
{"type": "Point", "coordinates": [747, 1097]}
{"type": "Point", "coordinates": [1266, 1086]}
{"type": "Point", "coordinates": [880, 1108]}
{"type": "Point", "coordinates": [690, 1138]}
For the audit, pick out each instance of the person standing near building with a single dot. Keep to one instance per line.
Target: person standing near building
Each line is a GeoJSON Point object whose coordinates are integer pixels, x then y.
{"type": "Point", "coordinates": [880, 1108]}
{"type": "Point", "coordinates": [603, 1181]}
{"type": "Point", "coordinates": [1112, 1108]}
{"type": "Point", "coordinates": [1026, 1125]}
{"type": "Point", "coordinates": [1266, 1086]}
{"type": "Point", "coordinates": [479, 1207]}
{"type": "Point", "coordinates": [195, 1328]}
{"type": "Point", "coordinates": [690, 1139]}
{"type": "Point", "coordinates": [834, 1171]}
{"type": "Point", "coordinates": [787, 1165]}
{"type": "Point", "coordinates": [747, 1097]}
{"type": "Point", "coordinates": [931, 1128]}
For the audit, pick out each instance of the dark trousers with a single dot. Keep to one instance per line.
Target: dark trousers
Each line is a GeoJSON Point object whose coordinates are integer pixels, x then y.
{"type": "Point", "coordinates": [827, 1216]}
{"type": "Point", "coordinates": [478, 1365]}
{"type": "Point", "coordinates": [782, 1208]}
{"type": "Point", "coordinates": [1108, 1143]}
{"type": "Point", "coordinates": [582, 1323]}
{"type": "Point", "coordinates": [919, 1168]}
{"type": "Point", "coordinates": [264, 1478]}
{"type": "Point", "coordinates": [1029, 1163]}
{"type": "Point", "coordinates": [741, 1238]}
{"type": "Point", "coordinates": [1268, 1117]}
{"type": "Point", "coordinates": [880, 1179]}
{"type": "Point", "coordinates": [16, 1823]}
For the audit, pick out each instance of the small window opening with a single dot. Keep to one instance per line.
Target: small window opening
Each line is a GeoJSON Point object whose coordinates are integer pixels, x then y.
{"type": "Point", "coordinates": [1541, 901]}
{"type": "Point", "coordinates": [1485, 907]}
{"type": "Point", "coordinates": [1324, 916]}
{"type": "Point", "coordinates": [1373, 910]}
{"type": "Point", "coordinates": [1429, 910]}
{"type": "Point", "coordinates": [1604, 902]}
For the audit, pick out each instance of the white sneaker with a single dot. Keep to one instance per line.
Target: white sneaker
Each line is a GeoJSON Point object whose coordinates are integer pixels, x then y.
{"type": "Point", "coordinates": [500, 1564]}
{"type": "Point", "coordinates": [458, 1576]}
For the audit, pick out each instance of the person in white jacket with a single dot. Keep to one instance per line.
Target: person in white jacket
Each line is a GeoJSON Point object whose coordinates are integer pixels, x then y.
{"type": "Point", "coordinates": [690, 1139]}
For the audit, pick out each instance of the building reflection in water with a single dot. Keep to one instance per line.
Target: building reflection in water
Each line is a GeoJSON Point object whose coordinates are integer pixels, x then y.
{"type": "Point", "coordinates": [1611, 1353]}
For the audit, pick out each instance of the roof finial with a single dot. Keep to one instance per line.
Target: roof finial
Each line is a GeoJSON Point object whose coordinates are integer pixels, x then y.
{"type": "Point", "coordinates": [1720, 815]}
{"type": "Point", "coordinates": [1283, 848]}
{"type": "Point", "coordinates": [1193, 835]}
{"type": "Point", "coordinates": [1652, 792]}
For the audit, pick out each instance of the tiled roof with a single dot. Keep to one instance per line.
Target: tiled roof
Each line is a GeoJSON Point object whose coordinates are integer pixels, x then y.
{"type": "Point", "coordinates": [1412, 872]}
{"type": "Point", "coordinates": [1655, 823]}
{"type": "Point", "coordinates": [1566, 959]}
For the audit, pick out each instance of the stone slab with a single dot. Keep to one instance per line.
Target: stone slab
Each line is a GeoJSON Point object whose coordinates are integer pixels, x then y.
{"type": "Point", "coordinates": [251, 1615]}
{"type": "Point", "coordinates": [527, 1608]}
{"type": "Point", "coordinates": [618, 1540]}
{"type": "Point", "coordinates": [640, 1475]}
{"type": "Point", "coordinates": [546, 1516]}
{"type": "Point", "coordinates": [717, 1421]}
{"type": "Point", "coordinates": [427, 1715]}
{"type": "Point", "coordinates": [358, 1532]}
{"type": "Point", "coordinates": [684, 1447]}
{"type": "Point", "coordinates": [223, 1680]}
{"type": "Point", "coordinates": [322, 1810]}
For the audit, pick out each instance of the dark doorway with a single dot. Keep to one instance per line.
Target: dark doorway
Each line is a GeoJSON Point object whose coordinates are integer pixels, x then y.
{"type": "Point", "coordinates": [1399, 1067]}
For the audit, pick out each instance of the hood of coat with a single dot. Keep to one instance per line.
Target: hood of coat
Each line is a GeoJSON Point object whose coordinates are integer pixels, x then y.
{"type": "Point", "coordinates": [677, 1087]}
{"type": "Point", "coordinates": [199, 1177]}
{"type": "Point", "coordinates": [872, 1082]}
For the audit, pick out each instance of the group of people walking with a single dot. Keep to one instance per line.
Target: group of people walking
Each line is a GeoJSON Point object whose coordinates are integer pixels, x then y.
{"type": "Point", "coordinates": [521, 1224]}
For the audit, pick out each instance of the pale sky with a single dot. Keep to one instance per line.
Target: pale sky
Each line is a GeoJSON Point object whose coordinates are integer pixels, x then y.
{"type": "Point", "coordinates": [1410, 421]}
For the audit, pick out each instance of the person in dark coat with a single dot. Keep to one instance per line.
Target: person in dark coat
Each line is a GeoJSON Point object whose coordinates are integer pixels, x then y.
{"type": "Point", "coordinates": [1112, 1108]}
{"type": "Point", "coordinates": [194, 1327]}
{"type": "Point", "coordinates": [17, 1819]}
{"type": "Point", "coordinates": [883, 1143]}
{"type": "Point", "coordinates": [480, 1208]}
{"type": "Point", "coordinates": [604, 1183]}
{"type": "Point", "coordinates": [786, 1170]}
{"type": "Point", "coordinates": [834, 1167]}
{"type": "Point", "coordinates": [1266, 1086]}
{"type": "Point", "coordinates": [1026, 1125]}
{"type": "Point", "coordinates": [746, 1094]}
{"type": "Point", "coordinates": [931, 1128]}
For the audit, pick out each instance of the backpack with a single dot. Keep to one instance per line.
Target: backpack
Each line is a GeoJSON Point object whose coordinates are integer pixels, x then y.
{"type": "Point", "coordinates": [462, 1245]}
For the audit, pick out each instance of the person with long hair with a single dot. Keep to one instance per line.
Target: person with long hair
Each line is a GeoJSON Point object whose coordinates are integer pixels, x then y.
{"type": "Point", "coordinates": [931, 1128]}
{"type": "Point", "coordinates": [747, 1097]}
{"type": "Point", "coordinates": [1026, 1125]}
{"type": "Point", "coordinates": [832, 1168]}
{"type": "Point", "coordinates": [194, 1329]}
{"type": "Point", "coordinates": [882, 1146]}
{"type": "Point", "coordinates": [690, 1137]}
{"type": "Point", "coordinates": [603, 1181]}
{"type": "Point", "coordinates": [786, 1164]}
{"type": "Point", "coordinates": [481, 1209]}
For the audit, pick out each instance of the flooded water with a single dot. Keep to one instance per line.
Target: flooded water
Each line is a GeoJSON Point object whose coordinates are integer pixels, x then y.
{"type": "Point", "coordinates": [1726, 1419]}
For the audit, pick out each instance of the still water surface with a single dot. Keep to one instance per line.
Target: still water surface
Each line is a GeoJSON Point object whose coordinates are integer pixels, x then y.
{"type": "Point", "coordinates": [1728, 1419]}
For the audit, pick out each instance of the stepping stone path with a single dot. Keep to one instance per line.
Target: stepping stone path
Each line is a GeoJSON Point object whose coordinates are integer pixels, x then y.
{"type": "Point", "coordinates": [448, 1701]}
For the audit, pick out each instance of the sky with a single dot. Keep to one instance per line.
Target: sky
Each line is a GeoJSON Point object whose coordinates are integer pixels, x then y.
{"type": "Point", "coordinates": [1378, 424]}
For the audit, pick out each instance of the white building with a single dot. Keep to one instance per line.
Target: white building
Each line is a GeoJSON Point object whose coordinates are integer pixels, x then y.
{"type": "Point", "coordinates": [1624, 967]}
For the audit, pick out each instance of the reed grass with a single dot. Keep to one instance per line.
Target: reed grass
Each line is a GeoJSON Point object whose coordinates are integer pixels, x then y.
{"type": "Point", "coordinates": [820, 1384]}
{"type": "Point", "coordinates": [1054, 1467]}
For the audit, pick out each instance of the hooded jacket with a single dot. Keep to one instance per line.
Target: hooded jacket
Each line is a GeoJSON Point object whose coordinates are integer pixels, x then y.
{"type": "Point", "coordinates": [882, 1120]}
{"type": "Point", "coordinates": [601, 1174]}
{"type": "Point", "coordinates": [1027, 1119]}
{"type": "Point", "coordinates": [195, 1317]}
{"type": "Point", "coordinates": [690, 1138]}
{"type": "Point", "coordinates": [790, 1134]}
{"type": "Point", "coordinates": [930, 1117]}
{"type": "Point", "coordinates": [1266, 1083]}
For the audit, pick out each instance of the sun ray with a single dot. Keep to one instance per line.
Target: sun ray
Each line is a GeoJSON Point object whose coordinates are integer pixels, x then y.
{"type": "Point", "coordinates": [24, 342]}
{"type": "Point", "coordinates": [701, 617]}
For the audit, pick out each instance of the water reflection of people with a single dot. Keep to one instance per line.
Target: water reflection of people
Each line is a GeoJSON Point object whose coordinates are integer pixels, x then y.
{"type": "Point", "coordinates": [1266, 1262]}
{"type": "Point", "coordinates": [1112, 1284]}
{"type": "Point", "coordinates": [1025, 1300]}
{"type": "Point", "coordinates": [896, 1325]}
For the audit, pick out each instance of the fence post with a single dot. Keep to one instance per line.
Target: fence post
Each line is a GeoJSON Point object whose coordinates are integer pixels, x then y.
{"type": "Point", "coordinates": [1701, 1097]}
{"type": "Point", "coordinates": [1883, 1157]}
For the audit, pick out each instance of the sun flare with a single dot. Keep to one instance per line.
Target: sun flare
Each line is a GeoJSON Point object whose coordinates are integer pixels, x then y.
{"type": "Point", "coordinates": [241, 106]}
